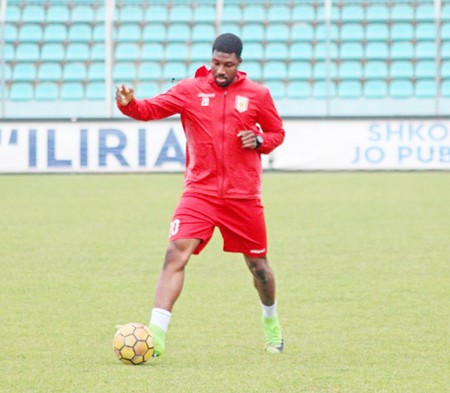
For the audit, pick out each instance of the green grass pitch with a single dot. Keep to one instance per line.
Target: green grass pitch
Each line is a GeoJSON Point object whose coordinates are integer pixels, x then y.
{"type": "Point", "coordinates": [362, 265]}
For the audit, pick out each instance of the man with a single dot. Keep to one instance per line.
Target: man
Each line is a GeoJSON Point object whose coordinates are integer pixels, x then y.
{"type": "Point", "coordinates": [220, 112]}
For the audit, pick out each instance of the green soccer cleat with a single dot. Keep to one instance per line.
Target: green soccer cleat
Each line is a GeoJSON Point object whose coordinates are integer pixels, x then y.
{"type": "Point", "coordinates": [274, 339]}
{"type": "Point", "coordinates": [159, 337]}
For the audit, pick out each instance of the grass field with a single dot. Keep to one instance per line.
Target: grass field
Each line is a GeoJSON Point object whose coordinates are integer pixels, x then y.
{"type": "Point", "coordinates": [362, 264]}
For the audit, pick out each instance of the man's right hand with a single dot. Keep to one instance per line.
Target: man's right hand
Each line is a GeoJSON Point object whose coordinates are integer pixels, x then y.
{"type": "Point", "coordinates": [124, 95]}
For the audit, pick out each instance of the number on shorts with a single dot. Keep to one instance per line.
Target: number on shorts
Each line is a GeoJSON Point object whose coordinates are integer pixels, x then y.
{"type": "Point", "coordinates": [174, 227]}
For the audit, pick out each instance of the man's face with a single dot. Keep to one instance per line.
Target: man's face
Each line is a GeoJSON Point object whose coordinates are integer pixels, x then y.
{"type": "Point", "coordinates": [224, 67]}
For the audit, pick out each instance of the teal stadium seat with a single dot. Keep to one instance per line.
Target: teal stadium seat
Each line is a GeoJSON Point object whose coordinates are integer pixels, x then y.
{"type": "Point", "coordinates": [277, 32]}
{"type": "Point", "coordinates": [174, 70]}
{"type": "Point", "coordinates": [55, 32]}
{"type": "Point", "coordinates": [33, 13]}
{"type": "Point", "coordinates": [301, 51]}
{"type": "Point", "coordinates": [124, 71]}
{"type": "Point", "coordinates": [152, 51]}
{"type": "Point", "coordinates": [323, 50]}
{"type": "Point", "coordinates": [254, 13]}
{"type": "Point", "coordinates": [98, 33]}
{"type": "Point", "coordinates": [351, 51]}
{"type": "Point", "coordinates": [276, 51]}
{"type": "Point", "coordinates": [252, 51]}
{"type": "Point", "coordinates": [147, 89]}
{"type": "Point", "coordinates": [21, 91]}
{"type": "Point", "coordinates": [426, 88]}
{"type": "Point", "coordinates": [157, 13]}
{"type": "Point", "coordinates": [49, 72]}
{"type": "Point", "coordinates": [274, 70]}
{"type": "Point", "coordinates": [402, 32]}
{"type": "Point", "coordinates": [72, 91]}
{"type": "Point", "coordinates": [322, 90]}
{"type": "Point", "coordinates": [401, 88]}
{"type": "Point", "coordinates": [95, 91]}
{"type": "Point", "coordinates": [128, 32]}
{"type": "Point", "coordinates": [58, 13]}
{"type": "Point", "coordinates": [205, 14]}
{"type": "Point", "coordinates": [180, 13]}
{"type": "Point", "coordinates": [349, 89]}
{"type": "Point", "coordinates": [126, 51]}
{"type": "Point", "coordinates": [375, 89]}
{"type": "Point", "coordinates": [30, 33]}
{"type": "Point", "coordinates": [13, 13]}
{"type": "Point", "coordinates": [445, 50]}
{"type": "Point", "coordinates": [401, 69]}
{"type": "Point", "coordinates": [9, 52]}
{"type": "Point", "coordinates": [8, 72]}
{"type": "Point", "coordinates": [402, 12]}
{"type": "Point", "coordinates": [425, 12]}
{"type": "Point", "coordinates": [425, 31]}
{"type": "Point", "coordinates": [350, 70]}
{"type": "Point", "coordinates": [201, 52]}
{"type": "Point", "coordinates": [231, 13]}
{"type": "Point", "coordinates": [47, 91]}
{"type": "Point", "coordinates": [253, 70]}
{"type": "Point", "coordinates": [96, 71]}
{"type": "Point", "coordinates": [322, 70]}
{"type": "Point", "coordinates": [304, 12]}
{"type": "Point", "coordinates": [253, 32]}
{"type": "Point", "coordinates": [377, 32]}
{"type": "Point", "coordinates": [376, 51]}
{"type": "Point", "coordinates": [352, 13]}
{"type": "Point", "coordinates": [154, 32]}
{"type": "Point", "coordinates": [445, 31]}
{"type": "Point", "coordinates": [279, 13]}
{"type": "Point", "coordinates": [302, 32]}
{"type": "Point", "coordinates": [299, 90]}
{"type": "Point", "coordinates": [426, 50]}
{"type": "Point", "coordinates": [321, 31]}
{"type": "Point", "coordinates": [98, 52]}
{"type": "Point", "coordinates": [82, 13]}
{"type": "Point", "coordinates": [445, 11]}
{"type": "Point", "coordinates": [445, 69]}
{"type": "Point", "coordinates": [24, 72]}
{"type": "Point", "coordinates": [402, 50]}
{"type": "Point", "coordinates": [99, 15]}
{"type": "Point", "coordinates": [52, 51]}
{"type": "Point", "coordinates": [377, 69]}
{"type": "Point", "coordinates": [130, 13]}
{"type": "Point", "coordinates": [203, 32]}
{"type": "Point", "coordinates": [352, 32]}
{"type": "Point", "coordinates": [299, 70]}
{"type": "Point", "coordinates": [75, 71]}
{"type": "Point", "coordinates": [176, 52]}
{"type": "Point", "coordinates": [77, 52]}
{"type": "Point", "coordinates": [27, 52]}
{"type": "Point", "coordinates": [149, 71]}
{"type": "Point", "coordinates": [179, 32]}
{"type": "Point", "coordinates": [277, 89]}
{"type": "Point", "coordinates": [80, 32]}
{"type": "Point", "coordinates": [377, 13]}
{"type": "Point", "coordinates": [10, 33]}
{"type": "Point", "coordinates": [233, 28]}
{"type": "Point", "coordinates": [445, 89]}
{"type": "Point", "coordinates": [425, 69]}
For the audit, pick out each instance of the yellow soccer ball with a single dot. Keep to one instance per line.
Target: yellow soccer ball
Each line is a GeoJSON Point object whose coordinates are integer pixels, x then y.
{"type": "Point", "coordinates": [133, 343]}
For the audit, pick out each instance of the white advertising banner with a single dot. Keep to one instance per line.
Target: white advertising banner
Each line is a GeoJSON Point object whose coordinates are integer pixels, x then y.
{"type": "Point", "coordinates": [159, 146]}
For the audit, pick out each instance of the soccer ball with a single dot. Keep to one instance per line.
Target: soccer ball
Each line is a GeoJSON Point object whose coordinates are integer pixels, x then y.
{"type": "Point", "coordinates": [133, 343]}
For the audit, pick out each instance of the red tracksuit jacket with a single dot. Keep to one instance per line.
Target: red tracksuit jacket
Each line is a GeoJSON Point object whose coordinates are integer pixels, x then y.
{"type": "Point", "coordinates": [212, 116]}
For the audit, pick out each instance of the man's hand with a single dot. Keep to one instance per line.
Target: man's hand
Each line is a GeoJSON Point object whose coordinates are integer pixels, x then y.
{"type": "Point", "coordinates": [124, 95]}
{"type": "Point", "coordinates": [248, 139]}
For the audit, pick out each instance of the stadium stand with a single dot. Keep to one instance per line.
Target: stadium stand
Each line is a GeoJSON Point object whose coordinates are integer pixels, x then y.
{"type": "Point", "coordinates": [367, 49]}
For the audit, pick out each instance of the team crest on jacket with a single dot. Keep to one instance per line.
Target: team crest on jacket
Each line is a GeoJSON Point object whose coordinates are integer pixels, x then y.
{"type": "Point", "coordinates": [241, 104]}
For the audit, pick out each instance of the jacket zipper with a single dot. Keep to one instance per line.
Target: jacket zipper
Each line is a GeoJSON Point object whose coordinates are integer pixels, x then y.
{"type": "Point", "coordinates": [222, 178]}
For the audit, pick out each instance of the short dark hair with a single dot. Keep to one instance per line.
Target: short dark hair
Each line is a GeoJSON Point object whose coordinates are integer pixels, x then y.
{"type": "Point", "coordinates": [228, 43]}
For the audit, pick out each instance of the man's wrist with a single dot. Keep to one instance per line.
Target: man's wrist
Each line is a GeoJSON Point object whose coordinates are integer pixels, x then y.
{"type": "Point", "coordinates": [259, 141]}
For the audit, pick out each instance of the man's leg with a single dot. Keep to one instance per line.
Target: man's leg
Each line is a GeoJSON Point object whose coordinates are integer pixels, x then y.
{"type": "Point", "coordinates": [264, 281]}
{"type": "Point", "coordinates": [169, 287]}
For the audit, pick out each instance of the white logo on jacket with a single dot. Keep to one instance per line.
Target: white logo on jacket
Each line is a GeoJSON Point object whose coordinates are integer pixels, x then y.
{"type": "Point", "coordinates": [241, 104]}
{"type": "Point", "coordinates": [205, 98]}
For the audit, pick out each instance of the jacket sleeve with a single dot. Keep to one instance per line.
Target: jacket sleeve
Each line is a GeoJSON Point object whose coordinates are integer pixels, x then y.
{"type": "Point", "coordinates": [159, 107]}
{"type": "Point", "coordinates": [271, 125]}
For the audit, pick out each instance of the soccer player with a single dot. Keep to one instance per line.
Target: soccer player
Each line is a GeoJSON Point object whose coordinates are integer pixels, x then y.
{"type": "Point", "coordinates": [229, 121]}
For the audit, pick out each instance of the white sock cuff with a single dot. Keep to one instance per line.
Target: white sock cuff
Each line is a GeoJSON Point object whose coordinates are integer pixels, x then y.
{"type": "Point", "coordinates": [269, 311]}
{"type": "Point", "coordinates": [161, 318]}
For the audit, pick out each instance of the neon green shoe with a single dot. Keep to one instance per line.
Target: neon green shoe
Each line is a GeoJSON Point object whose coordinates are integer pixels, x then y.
{"type": "Point", "coordinates": [272, 331]}
{"type": "Point", "coordinates": [159, 336]}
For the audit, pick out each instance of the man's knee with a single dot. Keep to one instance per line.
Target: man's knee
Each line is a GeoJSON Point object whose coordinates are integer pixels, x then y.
{"type": "Point", "coordinates": [260, 268]}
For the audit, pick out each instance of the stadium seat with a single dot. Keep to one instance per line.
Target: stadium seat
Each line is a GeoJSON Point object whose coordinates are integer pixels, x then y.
{"type": "Point", "coordinates": [402, 12]}
{"type": "Point", "coordinates": [303, 12]}
{"type": "Point", "coordinates": [274, 70]}
{"type": "Point", "coordinates": [321, 13]}
{"type": "Point", "coordinates": [377, 13]}
{"type": "Point", "coordinates": [98, 33]}
{"type": "Point", "coordinates": [401, 89]}
{"type": "Point", "coordinates": [77, 52]}
{"type": "Point", "coordinates": [21, 91]}
{"type": "Point", "coordinates": [300, 51]}
{"type": "Point", "coordinates": [13, 13]}
{"type": "Point", "coordinates": [7, 72]}
{"type": "Point", "coordinates": [349, 89]}
{"type": "Point", "coordinates": [426, 50]}
{"type": "Point", "coordinates": [100, 14]}
{"type": "Point", "coordinates": [203, 32]}
{"type": "Point", "coordinates": [46, 91]}
{"type": "Point", "coordinates": [445, 89]}
{"type": "Point", "coordinates": [322, 70]}
{"type": "Point", "coordinates": [96, 71]}
{"type": "Point", "coordinates": [302, 32]}
{"type": "Point", "coordinates": [425, 69]}
{"type": "Point", "coordinates": [425, 12]}
{"type": "Point", "coordinates": [350, 70]}
{"type": "Point", "coordinates": [229, 27]}
{"type": "Point", "coordinates": [55, 32]}
{"type": "Point", "coordinates": [130, 13]}
{"type": "Point", "coordinates": [80, 32]}
{"type": "Point", "coordinates": [58, 13]}
{"type": "Point", "coordinates": [30, 33]}
{"type": "Point", "coordinates": [279, 13]}
{"type": "Point", "coordinates": [74, 71]}
{"type": "Point", "coordinates": [201, 51]}
{"type": "Point", "coordinates": [402, 50]}
{"type": "Point", "coordinates": [253, 32]}
{"type": "Point", "coordinates": [179, 32]}
{"type": "Point", "coordinates": [174, 70]}
{"type": "Point", "coordinates": [322, 90]}
{"type": "Point", "coordinates": [351, 51]}
{"type": "Point", "coordinates": [401, 69]}
{"type": "Point", "coordinates": [72, 91]}
{"type": "Point", "coordinates": [426, 88]}
{"type": "Point", "coordinates": [176, 51]}
{"type": "Point", "coordinates": [445, 50]}
{"type": "Point", "coordinates": [149, 71]}
{"type": "Point", "coordinates": [98, 52]}
{"type": "Point", "coordinates": [299, 70]}
{"type": "Point", "coordinates": [277, 32]}
{"type": "Point", "coordinates": [352, 32]}
{"type": "Point", "coordinates": [445, 11]}
{"type": "Point", "coordinates": [205, 13]}
{"type": "Point", "coordinates": [254, 13]}
{"type": "Point", "coordinates": [231, 13]}
{"type": "Point", "coordinates": [299, 89]}
{"type": "Point", "coordinates": [10, 33]}
{"type": "Point", "coordinates": [445, 31]}
{"type": "Point", "coordinates": [375, 89]}
{"type": "Point", "coordinates": [402, 32]}
{"type": "Point", "coordinates": [49, 72]}
{"type": "Point", "coordinates": [147, 89]}
{"type": "Point", "coordinates": [126, 52]}
{"type": "Point", "coordinates": [180, 13]}
{"type": "Point", "coordinates": [9, 52]}
{"type": "Point", "coordinates": [377, 32]}
{"type": "Point", "coordinates": [27, 52]}
{"type": "Point", "coordinates": [24, 72]}
{"type": "Point", "coordinates": [377, 69]}
{"type": "Point", "coordinates": [323, 50]}
{"type": "Point", "coordinates": [52, 52]}
{"type": "Point", "coordinates": [152, 51]}
{"type": "Point", "coordinates": [156, 13]}
{"type": "Point", "coordinates": [276, 51]}
{"type": "Point", "coordinates": [277, 89]}
{"type": "Point", "coordinates": [95, 91]}
{"type": "Point", "coordinates": [425, 31]}
{"type": "Point", "coordinates": [82, 13]}
{"type": "Point", "coordinates": [128, 32]}
{"type": "Point", "coordinates": [376, 51]}
{"type": "Point", "coordinates": [124, 71]}
{"type": "Point", "coordinates": [154, 32]}
{"type": "Point", "coordinates": [352, 13]}
{"type": "Point", "coordinates": [445, 69]}
{"type": "Point", "coordinates": [321, 32]}
{"type": "Point", "coordinates": [253, 69]}
{"type": "Point", "coordinates": [32, 13]}
{"type": "Point", "coordinates": [252, 51]}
